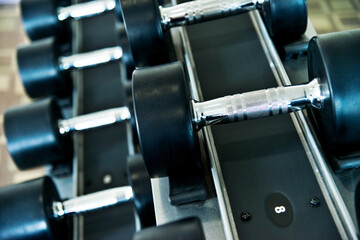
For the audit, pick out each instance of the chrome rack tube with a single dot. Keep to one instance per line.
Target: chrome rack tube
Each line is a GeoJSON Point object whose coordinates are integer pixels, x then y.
{"type": "Point", "coordinates": [85, 10]}
{"type": "Point", "coordinates": [93, 201]}
{"type": "Point", "coordinates": [203, 10]}
{"type": "Point", "coordinates": [94, 120]}
{"type": "Point", "coordinates": [90, 59]}
{"type": "Point", "coordinates": [257, 104]}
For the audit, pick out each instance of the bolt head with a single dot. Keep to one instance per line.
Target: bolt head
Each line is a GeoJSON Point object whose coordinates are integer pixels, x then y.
{"type": "Point", "coordinates": [314, 202]}
{"type": "Point", "coordinates": [245, 216]}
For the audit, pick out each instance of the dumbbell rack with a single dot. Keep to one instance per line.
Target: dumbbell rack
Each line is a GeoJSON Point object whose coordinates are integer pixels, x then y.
{"type": "Point", "coordinates": [101, 155]}
{"type": "Point", "coordinates": [228, 58]}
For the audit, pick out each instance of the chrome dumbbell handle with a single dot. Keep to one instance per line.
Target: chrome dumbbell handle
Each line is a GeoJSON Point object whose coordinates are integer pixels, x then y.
{"type": "Point", "coordinates": [93, 201]}
{"type": "Point", "coordinates": [94, 120]}
{"type": "Point", "coordinates": [85, 10]}
{"type": "Point", "coordinates": [90, 59]}
{"type": "Point", "coordinates": [203, 10]}
{"type": "Point", "coordinates": [257, 104]}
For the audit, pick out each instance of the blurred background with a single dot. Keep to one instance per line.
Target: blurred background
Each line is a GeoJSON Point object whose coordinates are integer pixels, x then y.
{"type": "Point", "coordinates": [326, 16]}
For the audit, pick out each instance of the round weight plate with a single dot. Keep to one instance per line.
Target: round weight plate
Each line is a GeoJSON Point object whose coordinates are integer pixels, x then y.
{"type": "Point", "coordinates": [117, 10]}
{"type": "Point", "coordinates": [40, 19]}
{"type": "Point", "coordinates": [144, 31]}
{"type": "Point", "coordinates": [163, 118]}
{"type": "Point", "coordinates": [32, 134]}
{"type": "Point", "coordinates": [141, 185]}
{"type": "Point", "coordinates": [26, 211]}
{"type": "Point", "coordinates": [128, 100]}
{"type": "Point", "coordinates": [127, 57]}
{"type": "Point", "coordinates": [335, 59]}
{"type": "Point", "coordinates": [39, 70]}
{"type": "Point", "coordinates": [286, 20]}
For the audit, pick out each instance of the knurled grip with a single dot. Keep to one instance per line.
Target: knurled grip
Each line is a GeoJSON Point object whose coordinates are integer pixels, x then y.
{"type": "Point", "coordinates": [257, 104]}
{"type": "Point", "coordinates": [203, 10]}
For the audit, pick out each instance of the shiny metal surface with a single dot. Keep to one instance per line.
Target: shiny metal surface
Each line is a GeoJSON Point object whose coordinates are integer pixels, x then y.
{"type": "Point", "coordinates": [94, 120]}
{"type": "Point", "coordinates": [93, 201]}
{"type": "Point", "coordinates": [90, 59]}
{"type": "Point", "coordinates": [85, 10]}
{"type": "Point", "coordinates": [203, 10]}
{"type": "Point", "coordinates": [257, 104]}
{"type": "Point", "coordinates": [316, 158]}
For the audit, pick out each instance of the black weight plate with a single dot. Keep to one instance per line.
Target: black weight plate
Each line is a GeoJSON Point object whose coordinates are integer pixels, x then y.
{"type": "Point", "coordinates": [26, 211]}
{"type": "Point", "coordinates": [335, 59]}
{"type": "Point", "coordinates": [141, 185]}
{"type": "Point", "coordinates": [286, 20]}
{"type": "Point", "coordinates": [128, 101]}
{"type": "Point", "coordinates": [32, 134]}
{"type": "Point", "coordinates": [118, 10]}
{"type": "Point", "coordinates": [39, 70]}
{"type": "Point", "coordinates": [127, 57]}
{"type": "Point", "coordinates": [40, 20]}
{"type": "Point", "coordinates": [143, 26]}
{"type": "Point", "coordinates": [163, 118]}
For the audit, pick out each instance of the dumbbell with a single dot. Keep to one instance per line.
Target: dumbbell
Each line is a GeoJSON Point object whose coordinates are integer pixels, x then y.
{"type": "Point", "coordinates": [45, 72]}
{"type": "Point", "coordinates": [45, 18]}
{"type": "Point", "coordinates": [37, 134]}
{"type": "Point", "coordinates": [33, 209]}
{"type": "Point", "coordinates": [167, 119]}
{"type": "Point", "coordinates": [147, 23]}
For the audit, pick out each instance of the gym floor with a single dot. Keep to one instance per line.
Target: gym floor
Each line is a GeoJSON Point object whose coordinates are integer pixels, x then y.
{"type": "Point", "coordinates": [326, 16]}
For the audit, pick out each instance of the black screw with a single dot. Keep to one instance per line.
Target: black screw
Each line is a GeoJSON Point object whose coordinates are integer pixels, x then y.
{"type": "Point", "coordinates": [245, 216]}
{"type": "Point", "coordinates": [314, 202]}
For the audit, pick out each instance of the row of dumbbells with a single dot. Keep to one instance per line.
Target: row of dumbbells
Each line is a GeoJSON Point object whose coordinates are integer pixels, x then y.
{"type": "Point", "coordinates": [163, 112]}
{"type": "Point", "coordinates": [38, 201]}
{"type": "Point", "coordinates": [143, 30]}
{"type": "Point", "coordinates": [175, 118]}
{"type": "Point", "coordinates": [41, 195]}
{"type": "Point", "coordinates": [44, 71]}
{"type": "Point", "coordinates": [42, 57]}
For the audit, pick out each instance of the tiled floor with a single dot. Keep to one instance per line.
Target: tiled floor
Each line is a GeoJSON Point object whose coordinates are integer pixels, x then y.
{"type": "Point", "coordinates": [11, 89]}
{"type": "Point", "coordinates": [326, 15]}
{"type": "Point", "coordinates": [334, 15]}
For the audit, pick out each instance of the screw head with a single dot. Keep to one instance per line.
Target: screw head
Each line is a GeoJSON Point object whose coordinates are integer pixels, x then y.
{"type": "Point", "coordinates": [107, 179]}
{"type": "Point", "coordinates": [314, 202]}
{"type": "Point", "coordinates": [245, 216]}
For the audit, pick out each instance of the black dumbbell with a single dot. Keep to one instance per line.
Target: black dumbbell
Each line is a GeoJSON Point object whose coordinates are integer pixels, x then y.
{"type": "Point", "coordinates": [33, 210]}
{"type": "Point", "coordinates": [37, 134]}
{"type": "Point", "coordinates": [167, 119]}
{"type": "Point", "coordinates": [45, 18]}
{"type": "Point", "coordinates": [147, 23]}
{"type": "Point", "coordinates": [45, 72]}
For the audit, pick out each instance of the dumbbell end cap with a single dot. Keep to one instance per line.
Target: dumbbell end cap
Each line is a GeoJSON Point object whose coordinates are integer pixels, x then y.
{"type": "Point", "coordinates": [334, 59]}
